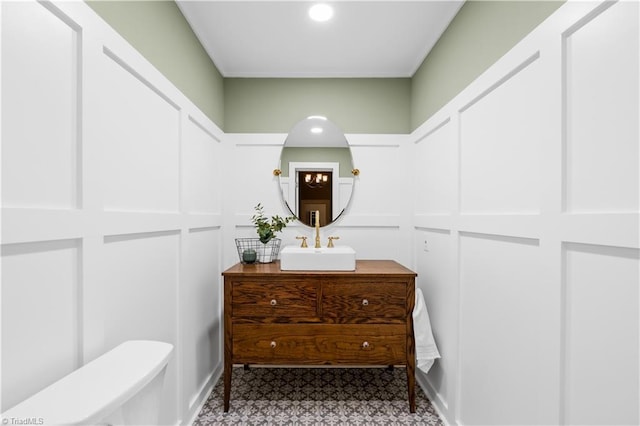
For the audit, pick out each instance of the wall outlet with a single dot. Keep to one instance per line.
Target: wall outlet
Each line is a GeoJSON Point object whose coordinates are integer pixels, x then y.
{"type": "Point", "coordinates": [425, 247]}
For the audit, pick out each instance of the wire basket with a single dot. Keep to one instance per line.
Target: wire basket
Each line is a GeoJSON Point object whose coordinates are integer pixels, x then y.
{"type": "Point", "coordinates": [252, 250]}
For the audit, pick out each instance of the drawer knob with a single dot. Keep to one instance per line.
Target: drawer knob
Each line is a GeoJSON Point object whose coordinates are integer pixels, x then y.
{"type": "Point", "coordinates": [273, 302]}
{"type": "Point", "coordinates": [272, 344]}
{"type": "Point", "coordinates": [365, 302]}
{"type": "Point", "coordinates": [365, 345]}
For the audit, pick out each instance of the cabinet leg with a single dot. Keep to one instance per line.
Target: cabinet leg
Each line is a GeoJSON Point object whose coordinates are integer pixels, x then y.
{"type": "Point", "coordinates": [228, 369]}
{"type": "Point", "coordinates": [390, 368]}
{"type": "Point", "coordinates": [246, 367]}
{"type": "Point", "coordinates": [411, 386]}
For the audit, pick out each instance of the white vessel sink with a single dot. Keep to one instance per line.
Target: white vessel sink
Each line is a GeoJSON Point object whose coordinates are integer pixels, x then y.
{"type": "Point", "coordinates": [338, 258]}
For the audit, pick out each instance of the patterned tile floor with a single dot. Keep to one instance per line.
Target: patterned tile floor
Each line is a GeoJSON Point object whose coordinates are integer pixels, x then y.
{"type": "Point", "coordinates": [318, 396]}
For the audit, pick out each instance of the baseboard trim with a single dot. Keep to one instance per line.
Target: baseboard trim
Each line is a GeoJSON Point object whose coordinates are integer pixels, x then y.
{"type": "Point", "coordinates": [436, 400]}
{"type": "Point", "coordinates": [203, 395]}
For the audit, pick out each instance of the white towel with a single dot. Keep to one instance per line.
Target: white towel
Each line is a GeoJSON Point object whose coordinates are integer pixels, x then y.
{"type": "Point", "coordinates": [426, 349]}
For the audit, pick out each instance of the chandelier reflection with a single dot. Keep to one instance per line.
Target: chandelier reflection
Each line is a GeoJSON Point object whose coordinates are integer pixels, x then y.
{"type": "Point", "coordinates": [316, 180]}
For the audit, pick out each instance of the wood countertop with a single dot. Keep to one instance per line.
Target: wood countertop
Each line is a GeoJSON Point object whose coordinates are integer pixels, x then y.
{"type": "Point", "coordinates": [364, 268]}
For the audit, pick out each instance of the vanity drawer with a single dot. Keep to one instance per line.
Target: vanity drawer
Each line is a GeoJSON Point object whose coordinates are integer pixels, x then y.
{"type": "Point", "coordinates": [274, 298]}
{"type": "Point", "coordinates": [328, 344]}
{"type": "Point", "coordinates": [364, 300]}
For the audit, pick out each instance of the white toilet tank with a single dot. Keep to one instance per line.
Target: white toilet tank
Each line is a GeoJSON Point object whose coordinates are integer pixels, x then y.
{"type": "Point", "coordinates": [122, 386]}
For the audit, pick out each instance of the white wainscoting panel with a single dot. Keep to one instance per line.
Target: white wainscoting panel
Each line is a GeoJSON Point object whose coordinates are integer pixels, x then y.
{"type": "Point", "coordinates": [376, 188]}
{"type": "Point", "coordinates": [499, 121]}
{"type": "Point", "coordinates": [345, 192]}
{"type": "Point", "coordinates": [251, 172]}
{"type": "Point", "coordinates": [202, 171]}
{"type": "Point", "coordinates": [504, 332]}
{"type": "Point", "coordinates": [370, 242]}
{"type": "Point", "coordinates": [201, 313]}
{"type": "Point", "coordinates": [40, 315]}
{"type": "Point", "coordinates": [140, 276]}
{"type": "Point", "coordinates": [601, 337]}
{"type": "Point", "coordinates": [434, 252]}
{"type": "Point", "coordinates": [141, 150]}
{"type": "Point", "coordinates": [41, 84]}
{"type": "Point", "coordinates": [434, 164]}
{"type": "Point", "coordinates": [601, 83]}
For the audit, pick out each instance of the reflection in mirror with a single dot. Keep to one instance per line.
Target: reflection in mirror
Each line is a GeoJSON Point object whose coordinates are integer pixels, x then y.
{"type": "Point", "coordinates": [316, 169]}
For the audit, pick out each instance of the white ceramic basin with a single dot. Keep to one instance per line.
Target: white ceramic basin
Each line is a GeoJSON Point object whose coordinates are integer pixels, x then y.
{"type": "Point", "coordinates": [338, 258]}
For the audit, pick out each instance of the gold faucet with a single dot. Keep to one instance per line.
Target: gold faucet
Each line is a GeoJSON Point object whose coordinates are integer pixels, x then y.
{"type": "Point", "coordinates": [318, 229]}
{"type": "Point", "coordinates": [304, 241]}
{"type": "Point", "coordinates": [330, 245]}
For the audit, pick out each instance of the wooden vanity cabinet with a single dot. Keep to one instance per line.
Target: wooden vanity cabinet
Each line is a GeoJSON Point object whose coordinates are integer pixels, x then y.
{"type": "Point", "coordinates": [355, 318]}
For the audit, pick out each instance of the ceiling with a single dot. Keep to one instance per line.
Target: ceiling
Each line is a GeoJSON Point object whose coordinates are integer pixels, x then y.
{"type": "Point", "coordinates": [278, 39]}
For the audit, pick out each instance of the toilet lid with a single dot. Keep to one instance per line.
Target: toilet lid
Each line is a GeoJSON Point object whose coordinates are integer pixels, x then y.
{"type": "Point", "coordinates": [95, 390]}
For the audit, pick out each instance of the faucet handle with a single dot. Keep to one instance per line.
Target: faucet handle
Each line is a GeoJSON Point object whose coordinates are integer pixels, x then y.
{"type": "Point", "coordinates": [304, 241]}
{"type": "Point", "coordinates": [330, 245]}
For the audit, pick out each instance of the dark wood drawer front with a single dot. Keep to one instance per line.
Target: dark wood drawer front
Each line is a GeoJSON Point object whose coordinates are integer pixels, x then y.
{"type": "Point", "coordinates": [259, 299]}
{"type": "Point", "coordinates": [364, 299]}
{"type": "Point", "coordinates": [320, 344]}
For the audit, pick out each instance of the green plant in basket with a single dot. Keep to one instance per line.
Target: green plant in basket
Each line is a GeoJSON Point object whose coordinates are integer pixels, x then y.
{"type": "Point", "coordinates": [267, 228]}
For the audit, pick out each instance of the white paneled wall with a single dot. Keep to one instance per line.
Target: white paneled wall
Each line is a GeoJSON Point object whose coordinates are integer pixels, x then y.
{"type": "Point", "coordinates": [601, 112]}
{"type": "Point", "coordinates": [111, 208]}
{"type": "Point", "coordinates": [40, 312]}
{"type": "Point", "coordinates": [133, 133]}
{"type": "Point", "coordinates": [41, 79]}
{"type": "Point", "coordinates": [526, 228]}
{"type": "Point", "coordinates": [601, 329]}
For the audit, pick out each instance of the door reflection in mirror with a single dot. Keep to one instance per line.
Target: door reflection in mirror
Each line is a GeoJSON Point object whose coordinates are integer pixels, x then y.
{"type": "Point", "coordinates": [314, 194]}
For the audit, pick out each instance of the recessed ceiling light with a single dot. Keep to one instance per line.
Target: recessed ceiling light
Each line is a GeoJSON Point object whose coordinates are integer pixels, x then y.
{"type": "Point", "coordinates": [316, 130]}
{"type": "Point", "coordinates": [321, 12]}
{"type": "Point", "coordinates": [317, 117]}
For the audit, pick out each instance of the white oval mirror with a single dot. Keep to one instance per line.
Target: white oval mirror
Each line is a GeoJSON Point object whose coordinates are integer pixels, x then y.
{"type": "Point", "coordinates": [316, 171]}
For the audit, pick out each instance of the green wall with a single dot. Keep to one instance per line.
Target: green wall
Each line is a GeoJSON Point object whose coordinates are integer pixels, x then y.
{"type": "Point", "coordinates": [356, 105]}
{"type": "Point", "coordinates": [316, 154]}
{"type": "Point", "coordinates": [160, 33]}
{"type": "Point", "coordinates": [480, 34]}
